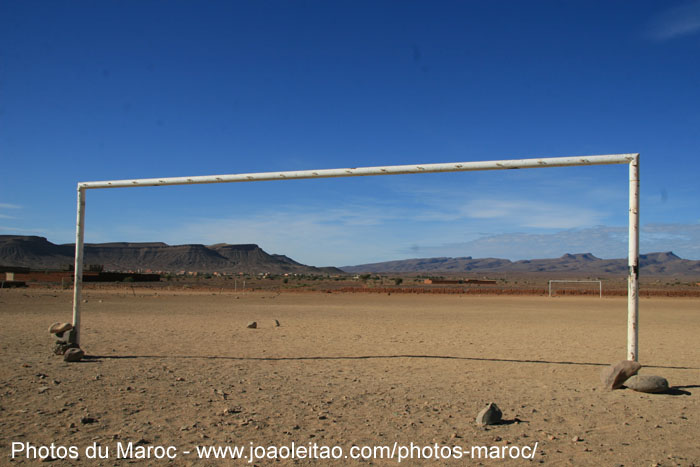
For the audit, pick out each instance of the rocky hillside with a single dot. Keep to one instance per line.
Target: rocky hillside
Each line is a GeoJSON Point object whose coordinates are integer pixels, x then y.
{"type": "Point", "coordinates": [39, 253]}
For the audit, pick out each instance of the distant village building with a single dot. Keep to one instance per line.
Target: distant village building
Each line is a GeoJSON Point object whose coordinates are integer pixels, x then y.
{"type": "Point", "coordinates": [457, 281]}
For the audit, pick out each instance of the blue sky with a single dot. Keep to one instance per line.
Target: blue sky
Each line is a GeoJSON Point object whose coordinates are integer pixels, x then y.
{"type": "Point", "coordinates": [136, 89]}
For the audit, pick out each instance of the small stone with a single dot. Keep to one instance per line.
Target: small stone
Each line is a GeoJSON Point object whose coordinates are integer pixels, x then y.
{"type": "Point", "coordinates": [87, 420]}
{"type": "Point", "coordinates": [614, 376]}
{"type": "Point", "coordinates": [73, 355]}
{"type": "Point", "coordinates": [277, 323]}
{"type": "Point", "coordinates": [575, 439]}
{"type": "Point", "coordinates": [490, 415]}
{"type": "Point", "coordinates": [647, 383]}
{"type": "Point", "coordinates": [252, 325]}
{"type": "Point", "coordinates": [59, 328]}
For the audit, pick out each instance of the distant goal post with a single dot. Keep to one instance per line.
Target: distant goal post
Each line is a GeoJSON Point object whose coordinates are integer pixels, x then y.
{"type": "Point", "coordinates": [631, 160]}
{"type": "Point", "coordinates": [563, 281]}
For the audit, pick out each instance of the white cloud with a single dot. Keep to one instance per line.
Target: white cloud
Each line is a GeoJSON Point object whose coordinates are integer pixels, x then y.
{"type": "Point", "coordinates": [8, 206]}
{"type": "Point", "coordinates": [20, 231]}
{"type": "Point", "coordinates": [523, 213]}
{"type": "Point", "coordinates": [679, 21]}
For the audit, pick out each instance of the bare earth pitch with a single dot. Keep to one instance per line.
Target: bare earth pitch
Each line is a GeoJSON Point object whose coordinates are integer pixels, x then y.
{"type": "Point", "coordinates": [182, 369]}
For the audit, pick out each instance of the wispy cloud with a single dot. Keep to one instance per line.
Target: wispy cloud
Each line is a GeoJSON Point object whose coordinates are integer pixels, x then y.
{"type": "Point", "coordinates": [524, 213]}
{"type": "Point", "coordinates": [678, 21]}
{"type": "Point", "coordinates": [21, 231]}
{"type": "Point", "coordinates": [514, 213]}
{"type": "Point", "coordinates": [8, 206]}
{"type": "Point", "coordinates": [518, 202]}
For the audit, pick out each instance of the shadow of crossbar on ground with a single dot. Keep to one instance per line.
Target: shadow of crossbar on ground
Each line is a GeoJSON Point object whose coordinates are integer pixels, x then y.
{"type": "Point", "coordinates": [370, 357]}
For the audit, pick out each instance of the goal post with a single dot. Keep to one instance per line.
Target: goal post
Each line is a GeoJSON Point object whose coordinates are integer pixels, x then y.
{"type": "Point", "coordinates": [631, 159]}
{"type": "Point", "coordinates": [555, 281]}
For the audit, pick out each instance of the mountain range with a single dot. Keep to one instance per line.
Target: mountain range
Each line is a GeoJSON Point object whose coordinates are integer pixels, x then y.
{"type": "Point", "coordinates": [39, 253]}
{"type": "Point", "coordinates": [654, 264]}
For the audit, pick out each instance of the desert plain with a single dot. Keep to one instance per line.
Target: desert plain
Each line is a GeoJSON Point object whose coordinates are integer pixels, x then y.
{"type": "Point", "coordinates": [182, 369]}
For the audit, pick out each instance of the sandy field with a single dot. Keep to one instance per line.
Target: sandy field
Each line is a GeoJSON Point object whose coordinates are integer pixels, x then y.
{"type": "Point", "coordinates": [182, 369]}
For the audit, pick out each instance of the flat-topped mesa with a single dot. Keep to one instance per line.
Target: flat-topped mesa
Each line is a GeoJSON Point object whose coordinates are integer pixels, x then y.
{"type": "Point", "coordinates": [581, 257]}
{"type": "Point", "coordinates": [39, 253]}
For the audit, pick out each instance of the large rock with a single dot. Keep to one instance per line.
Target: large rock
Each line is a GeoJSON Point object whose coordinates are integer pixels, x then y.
{"type": "Point", "coordinates": [252, 325]}
{"type": "Point", "coordinates": [60, 328]}
{"type": "Point", "coordinates": [614, 376]}
{"type": "Point", "coordinates": [647, 383]}
{"type": "Point", "coordinates": [73, 355]}
{"type": "Point", "coordinates": [490, 415]}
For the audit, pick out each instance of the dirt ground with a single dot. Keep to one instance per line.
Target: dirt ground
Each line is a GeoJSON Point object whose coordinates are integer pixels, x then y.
{"type": "Point", "coordinates": [182, 369]}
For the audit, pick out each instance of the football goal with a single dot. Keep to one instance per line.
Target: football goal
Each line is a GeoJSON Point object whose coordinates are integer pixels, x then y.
{"type": "Point", "coordinates": [632, 160]}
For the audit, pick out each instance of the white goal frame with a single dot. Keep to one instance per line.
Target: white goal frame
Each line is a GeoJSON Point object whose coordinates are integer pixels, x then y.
{"type": "Point", "coordinates": [600, 285]}
{"type": "Point", "coordinates": [631, 159]}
